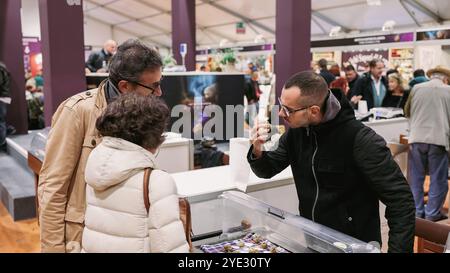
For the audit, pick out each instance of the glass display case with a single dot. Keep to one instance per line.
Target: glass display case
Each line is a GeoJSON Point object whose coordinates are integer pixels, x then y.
{"type": "Point", "coordinates": [174, 146]}
{"type": "Point", "coordinates": [251, 226]}
{"type": "Point", "coordinates": [37, 148]}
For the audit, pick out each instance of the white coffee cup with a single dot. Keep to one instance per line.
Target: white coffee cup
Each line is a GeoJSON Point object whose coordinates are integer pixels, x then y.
{"type": "Point", "coordinates": [362, 107]}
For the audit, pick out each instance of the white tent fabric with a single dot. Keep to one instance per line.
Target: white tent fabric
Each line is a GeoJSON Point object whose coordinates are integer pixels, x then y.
{"type": "Point", "coordinates": [216, 20]}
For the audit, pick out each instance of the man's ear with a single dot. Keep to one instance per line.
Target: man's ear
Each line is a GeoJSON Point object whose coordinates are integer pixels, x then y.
{"type": "Point", "coordinates": [124, 87]}
{"type": "Point", "coordinates": [315, 110]}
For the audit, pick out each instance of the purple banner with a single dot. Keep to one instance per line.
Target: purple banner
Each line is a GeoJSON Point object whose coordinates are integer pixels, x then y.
{"type": "Point", "coordinates": [360, 59]}
{"type": "Point", "coordinates": [32, 55]}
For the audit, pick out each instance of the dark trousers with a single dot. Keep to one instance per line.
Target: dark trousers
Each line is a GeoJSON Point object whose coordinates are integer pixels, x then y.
{"type": "Point", "coordinates": [2, 123]}
{"type": "Point", "coordinates": [435, 158]}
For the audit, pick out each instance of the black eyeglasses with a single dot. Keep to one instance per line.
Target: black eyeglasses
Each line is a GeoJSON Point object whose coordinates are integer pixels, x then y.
{"type": "Point", "coordinates": [288, 111]}
{"type": "Point", "coordinates": [155, 86]}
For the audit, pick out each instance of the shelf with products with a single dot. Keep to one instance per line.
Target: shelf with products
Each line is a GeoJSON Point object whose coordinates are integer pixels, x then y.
{"type": "Point", "coordinates": [403, 60]}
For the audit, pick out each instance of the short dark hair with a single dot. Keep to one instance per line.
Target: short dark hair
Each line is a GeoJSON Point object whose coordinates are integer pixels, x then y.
{"type": "Point", "coordinates": [349, 68]}
{"type": "Point", "coordinates": [131, 60]}
{"type": "Point", "coordinates": [135, 118]}
{"type": "Point", "coordinates": [373, 63]}
{"type": "Point", "coordinates": [419, 73]}
{"type": "Point", "coordinates": [323, 63]}
{"type": "Point", "coordinates": [312, 87]}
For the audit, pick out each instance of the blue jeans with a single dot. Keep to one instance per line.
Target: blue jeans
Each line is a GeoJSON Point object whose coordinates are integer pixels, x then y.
{"type": "Point", "coordinates": [434, 157]}
{"type": "Point", "coordinates": [251, 114]}
{"type": "Point", "coordinates": [2, 123]}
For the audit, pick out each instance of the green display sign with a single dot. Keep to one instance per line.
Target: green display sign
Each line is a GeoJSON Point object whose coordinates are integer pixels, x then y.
{"type": "Point", "coordinates": [240, 28]}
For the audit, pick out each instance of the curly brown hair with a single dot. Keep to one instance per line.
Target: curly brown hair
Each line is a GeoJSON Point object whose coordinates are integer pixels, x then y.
{"type": "Point", "coordinates": [135, 118]}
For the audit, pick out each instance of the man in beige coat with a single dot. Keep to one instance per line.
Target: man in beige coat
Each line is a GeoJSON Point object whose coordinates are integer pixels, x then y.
{"type": "Point", "coordinates": [62, 187]}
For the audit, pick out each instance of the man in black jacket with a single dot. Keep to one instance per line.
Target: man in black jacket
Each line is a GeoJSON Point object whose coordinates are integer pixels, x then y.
{"type": "Point", "coordinates": [352, 77]}
{"type": "Point", "coordinates": [99, 60]}
{"type": "Point", "coordinates": [324, 72]}
{"type": "Point", "coordinates": [341, 168]}
{"type": "Point", "coordinates": [371, 86]}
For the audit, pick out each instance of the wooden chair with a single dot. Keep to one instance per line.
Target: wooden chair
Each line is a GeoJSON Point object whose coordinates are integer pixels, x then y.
{"type": "Point", "coordinates": [431, 236]}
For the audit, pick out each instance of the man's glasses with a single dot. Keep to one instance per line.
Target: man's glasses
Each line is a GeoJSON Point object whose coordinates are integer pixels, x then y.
{"type": "Point", "coordinates": [288, 111]}
{"type": "Point", "coordinates": [154, 87]}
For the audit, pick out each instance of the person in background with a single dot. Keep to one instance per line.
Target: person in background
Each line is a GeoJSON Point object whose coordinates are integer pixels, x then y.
{"type": "Point", "coordinates": [251, 68]}
{"type": "Point", "coordinates": [98, 61]}
{"type": "Point", "coordinates": [252, 93]}
{"type": "Point", "coordinates": [341, 84]}
{"type": "Point", "coordinates": [342, 169]}
{"type": "Point", "coordinates": [323, 65]}
{"type": "Point", "coordinates": [5, 100]}
{"type": "Point", "coordinates": [203, 68]}
{"type": "Point", "coordinates": [132, 128]}
{"type": "Point", "coordinates": [35, 105]}
{"type": "Point", "coordinates": [428, 109]}
{"type": "Point", "coordinates": [391, 71]}
{"type": "Point", "coordinates": [371, 86]}
{"type": "Point", "coordinates": [419, 77]}
{"type": "Point", "coordinates": [335, 70]}
{"type": "Point", "coordinates": [135, 68]}
{"type": "Point", "coordinates": [397, 95]}
{"type": "Point", "coordinates": [352, 76]}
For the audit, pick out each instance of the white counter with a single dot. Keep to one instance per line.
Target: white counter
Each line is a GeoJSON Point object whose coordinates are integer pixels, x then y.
{"type": "Point", "coordinates": [389, 129]}
{"type": "Point", "coordinates": [182, 149]}
{"type": "Point", "coordinates": [206, 184]}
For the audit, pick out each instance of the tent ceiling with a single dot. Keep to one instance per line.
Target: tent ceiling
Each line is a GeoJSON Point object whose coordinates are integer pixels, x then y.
{"type": "Point", "coordinates": [216, 20]}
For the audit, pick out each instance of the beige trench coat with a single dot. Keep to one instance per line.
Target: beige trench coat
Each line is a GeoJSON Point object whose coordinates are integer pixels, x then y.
{"type": "Point", "coordinates": [62, 187]}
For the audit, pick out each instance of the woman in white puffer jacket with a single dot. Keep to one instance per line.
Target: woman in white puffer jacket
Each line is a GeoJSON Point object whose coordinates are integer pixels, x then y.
{"type": "Point", "coordinates": [116, 218]}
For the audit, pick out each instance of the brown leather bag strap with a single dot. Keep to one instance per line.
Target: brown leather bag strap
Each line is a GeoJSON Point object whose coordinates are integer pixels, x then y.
{"type": "Point", "coordinates": [147, 173]}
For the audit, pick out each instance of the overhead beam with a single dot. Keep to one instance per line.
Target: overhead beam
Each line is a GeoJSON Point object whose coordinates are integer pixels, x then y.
{"type": "Point", "coordinates": [409, 12]}
{"type": "Point", "coordinates": [208, 35]}
{"type": "Point", "coordinates": [124, 30]}
{"type": "Point", "coordinates": [129, 17]}
{"type": "Point", "coordinates": [319, 25]}
{"type": "Point", "coordinates": [100, 5]}
{"type": "Point", "coordinates": [329, 20]}
{"type": "Point", "coordinates": [361, 3]}
{"type": "Point", "coordinates": [160, 10]}
{"type": "Point", "coordinates": [153, 6]}
{"type": "Point", "coordinates": [200, 27]}
{"type": "Point", "coordinates": [416, 4]}
{"type": "Point", "coordinates": [240, 16]}
{"type": "Point", "coordinates": [216, 33]}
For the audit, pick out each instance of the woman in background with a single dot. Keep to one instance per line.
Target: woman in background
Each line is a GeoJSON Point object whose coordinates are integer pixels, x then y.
{"type": "Point", "coordinates": [397, 95]}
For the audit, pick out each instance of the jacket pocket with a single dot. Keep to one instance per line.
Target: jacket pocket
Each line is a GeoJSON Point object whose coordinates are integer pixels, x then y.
{"type": "Point", "coordinates": [331, 173]}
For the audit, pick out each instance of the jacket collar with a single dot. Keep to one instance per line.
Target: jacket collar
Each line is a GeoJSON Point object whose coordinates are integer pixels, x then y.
{"type": "Point", "coordinates": [332, 107]}
{"type": "Point", "coordinates": [138, 151]}
{"type": "Point", "coordinates": [100, 103]}
{"type": "Point", "coordinates": [338, 110]}
{"type": "Point", "coordinates": [115, 160]}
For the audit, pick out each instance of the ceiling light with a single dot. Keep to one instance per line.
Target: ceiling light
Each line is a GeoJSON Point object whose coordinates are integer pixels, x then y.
{"type": "Point", "coordinates": [259, 39]}
{"type": "Point", "coordinates": [388, 25]}
{"type": "Point", "coordinates": [374, 2]}
{"type": "Point", "coordinates": [335, 31]}
{"type": "Point", "coordinates": [223, 42]}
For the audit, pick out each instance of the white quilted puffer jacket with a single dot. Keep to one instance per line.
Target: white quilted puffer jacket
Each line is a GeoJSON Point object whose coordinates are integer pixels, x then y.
{"type": "Point", "coordinates": [116, 219]}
